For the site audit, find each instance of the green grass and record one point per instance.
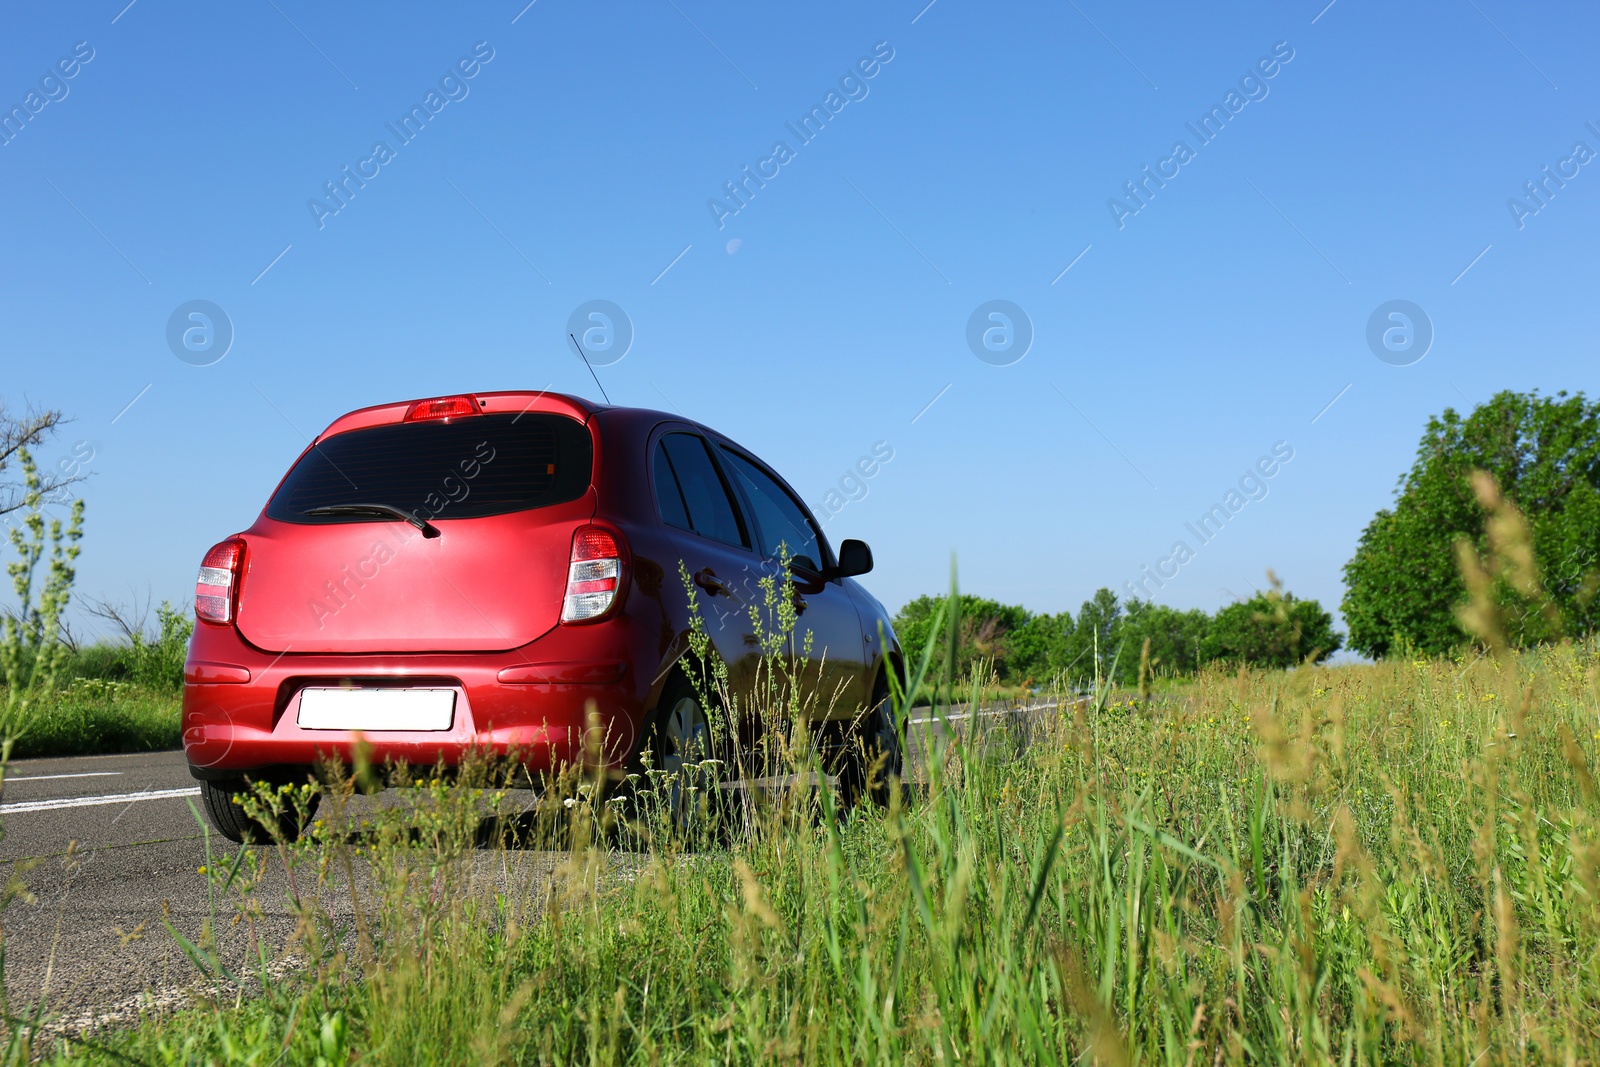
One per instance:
(93, 716)
(124, 697)
(1371, 864)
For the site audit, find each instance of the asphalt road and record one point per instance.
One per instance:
(101, 844)
(109, 851)
(109, 846)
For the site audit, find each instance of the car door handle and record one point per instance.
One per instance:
(706, 579)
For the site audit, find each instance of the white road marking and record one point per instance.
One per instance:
(80, 774)
(86, 802)
(958, 718)
(984, 714)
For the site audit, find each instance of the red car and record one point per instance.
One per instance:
(501, 572)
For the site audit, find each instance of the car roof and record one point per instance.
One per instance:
(523, 400)
(495, 401)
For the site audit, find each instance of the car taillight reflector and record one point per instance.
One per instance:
(444, 407)
(594, 575)
(214, 589)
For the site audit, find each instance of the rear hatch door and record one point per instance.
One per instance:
(499, 495)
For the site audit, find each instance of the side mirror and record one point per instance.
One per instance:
(854, 558)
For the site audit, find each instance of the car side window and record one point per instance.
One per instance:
(703, 497)
(779, 518)
(669, 497)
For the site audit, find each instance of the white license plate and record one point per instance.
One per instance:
(377, 709)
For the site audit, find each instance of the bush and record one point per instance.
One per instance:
(1106, 639)
(155, 662)
(113, 698)
(96, 716)
(159, 663)
(32, 652)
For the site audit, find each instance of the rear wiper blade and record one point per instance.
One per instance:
(375, 511)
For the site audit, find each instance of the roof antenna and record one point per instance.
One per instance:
(586, 363)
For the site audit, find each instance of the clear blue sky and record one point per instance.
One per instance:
(826, 314)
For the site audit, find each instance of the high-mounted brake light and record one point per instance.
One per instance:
(594, 577)
(444, 407)
(214, 589)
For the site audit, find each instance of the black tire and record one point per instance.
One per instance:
(682, 733)
(873, 764)
(230, 819)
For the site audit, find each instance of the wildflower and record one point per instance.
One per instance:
(201, 870)
(1488, 697)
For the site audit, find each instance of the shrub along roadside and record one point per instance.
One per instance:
(57, 699)
(112, 698)
(1107, 638)
(31, 650)
(94, 717)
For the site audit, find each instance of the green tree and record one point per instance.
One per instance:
(1091, 645)
(984, 632)
(1035, 649)
(1176, 639)
(1270, 630)
(1403, 588)
(1106, 637)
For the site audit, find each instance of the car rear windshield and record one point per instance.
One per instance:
(461, 469)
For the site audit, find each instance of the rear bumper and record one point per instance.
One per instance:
(575, 697)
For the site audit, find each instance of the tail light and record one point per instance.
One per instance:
(594, 577)
(218, 582)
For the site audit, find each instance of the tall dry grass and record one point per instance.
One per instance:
(1362, 865)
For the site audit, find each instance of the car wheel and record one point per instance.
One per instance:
(232, 822)
(874, 762)
(681, 741)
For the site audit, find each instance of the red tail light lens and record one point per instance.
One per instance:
(444, 407)
(214, 589)
(594, 576)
